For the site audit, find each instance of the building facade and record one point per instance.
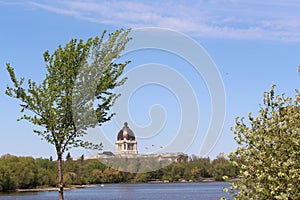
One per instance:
(126, 143)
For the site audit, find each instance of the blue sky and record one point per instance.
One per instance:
(254, 44)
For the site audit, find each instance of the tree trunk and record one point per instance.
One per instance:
(60, 177)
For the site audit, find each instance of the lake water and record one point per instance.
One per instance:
(168, 191)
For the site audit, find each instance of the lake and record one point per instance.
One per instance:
(157, 191)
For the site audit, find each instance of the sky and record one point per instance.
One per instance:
(252, 45)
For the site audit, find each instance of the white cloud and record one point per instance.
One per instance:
(274, 20)
(56, 9)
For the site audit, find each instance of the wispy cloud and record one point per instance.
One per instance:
(272, 20)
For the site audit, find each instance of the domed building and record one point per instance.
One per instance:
(126, 143)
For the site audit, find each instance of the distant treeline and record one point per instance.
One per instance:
(27, 172)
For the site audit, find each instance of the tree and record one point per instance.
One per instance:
(69, 157)
(78, 76)
(269, 153)
(82, 158)
(222, 166)
(142, 177)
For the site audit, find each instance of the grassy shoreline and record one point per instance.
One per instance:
(72, 187)
(45, 189)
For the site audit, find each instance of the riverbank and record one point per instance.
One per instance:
(45, 189)
(183, 181)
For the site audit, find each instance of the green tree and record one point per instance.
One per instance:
(142, 177)
(17, 172)
(96, 176)
(222, 166)
(60, 104)
(8, 180)
(173, 172)
(110, 175)
(269, 153)
(204, 166)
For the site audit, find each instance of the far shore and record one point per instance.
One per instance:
(45, 189)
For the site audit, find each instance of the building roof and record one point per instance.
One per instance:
(126, 132)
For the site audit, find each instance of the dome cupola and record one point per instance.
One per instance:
(126, 133)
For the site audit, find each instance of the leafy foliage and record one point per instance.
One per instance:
(56, 103)
(269, 152)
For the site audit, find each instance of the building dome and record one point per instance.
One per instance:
(125, 133)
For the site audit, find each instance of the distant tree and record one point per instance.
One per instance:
(46, 173)
(61, 104)
(269, 153)
(17, 172)
(142, 177)
(96, 174)
(173, 172)
(222, 166)
(82, 158)
(51, 159)
(110, 175)
(204, 165)
(69, 157)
